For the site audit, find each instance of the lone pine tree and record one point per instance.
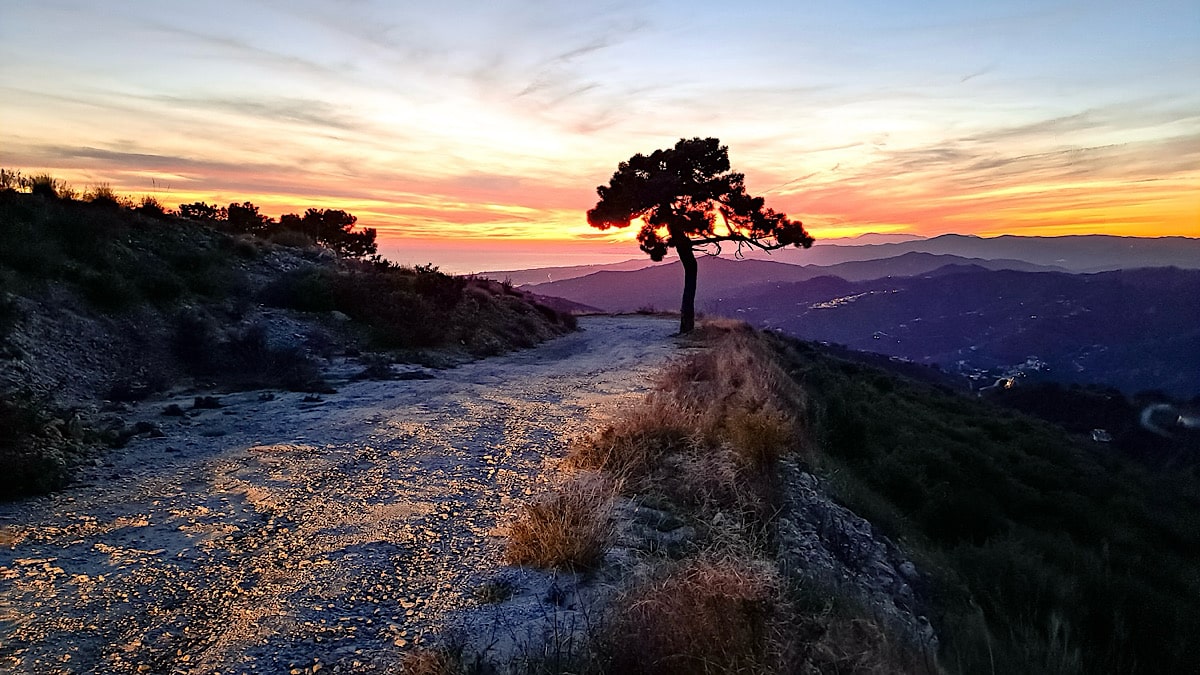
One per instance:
(687, 199)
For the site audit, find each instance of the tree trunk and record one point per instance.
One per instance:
(687, 310)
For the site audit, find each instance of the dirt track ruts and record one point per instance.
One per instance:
(275, 536)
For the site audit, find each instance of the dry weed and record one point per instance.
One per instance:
(569, 527)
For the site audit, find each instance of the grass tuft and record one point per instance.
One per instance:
(569, 527)
(431, 661)
(705, 616)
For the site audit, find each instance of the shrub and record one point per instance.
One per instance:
(34, 456)
(305, 290)
(110, 291)
(568, 528)
(206, 213)
(150, 207)
(251, 362)
(102, 195)
(292, 239)
(11, 180)
(196, 342)
(45, 185)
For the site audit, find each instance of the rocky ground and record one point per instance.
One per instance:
(282, 532)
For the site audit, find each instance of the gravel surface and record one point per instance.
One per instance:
(279, 535)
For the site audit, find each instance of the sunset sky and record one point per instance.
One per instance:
(465, 130)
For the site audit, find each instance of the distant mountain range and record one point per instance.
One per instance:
(967, 304)
(1132, 329)
(1080, 253)
(660, 286)
(542, 275)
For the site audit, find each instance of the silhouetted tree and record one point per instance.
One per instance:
(333, 229)
(245, 217)
(204, 212)
(689, 200)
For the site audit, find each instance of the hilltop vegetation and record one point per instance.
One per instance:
(103, 299)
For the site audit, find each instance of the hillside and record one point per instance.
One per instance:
(683, 519)
(1133, 329)
(1040, 542)
(103, 304)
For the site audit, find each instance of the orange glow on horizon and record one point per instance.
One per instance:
(833, 210)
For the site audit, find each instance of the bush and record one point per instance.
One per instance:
(34, 456)
(109, 291)
(103, 196)
(196, 342)
(151, 208)
(305, 290)
(45, 185)
(292, 239)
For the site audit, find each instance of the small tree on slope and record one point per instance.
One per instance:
(687, 199)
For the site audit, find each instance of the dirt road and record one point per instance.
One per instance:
(282, 536)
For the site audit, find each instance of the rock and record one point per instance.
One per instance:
(826, 544)
(659, 520)
(413, 375)
(173, 410)
(206, 402)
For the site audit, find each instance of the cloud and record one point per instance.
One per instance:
(305, 111)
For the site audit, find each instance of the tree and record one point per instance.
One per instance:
(334, 229)
(245, 218)
(687, 199)
(198, 211)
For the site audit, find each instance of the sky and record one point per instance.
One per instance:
(473, 135)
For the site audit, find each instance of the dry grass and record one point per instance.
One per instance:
(633, 445)
(710, 434)
(705, 616)
(569, 527)
(705, 445)
(430, 661)
(739, 392)
(759, 437)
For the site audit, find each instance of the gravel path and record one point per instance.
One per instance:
(282, 536)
